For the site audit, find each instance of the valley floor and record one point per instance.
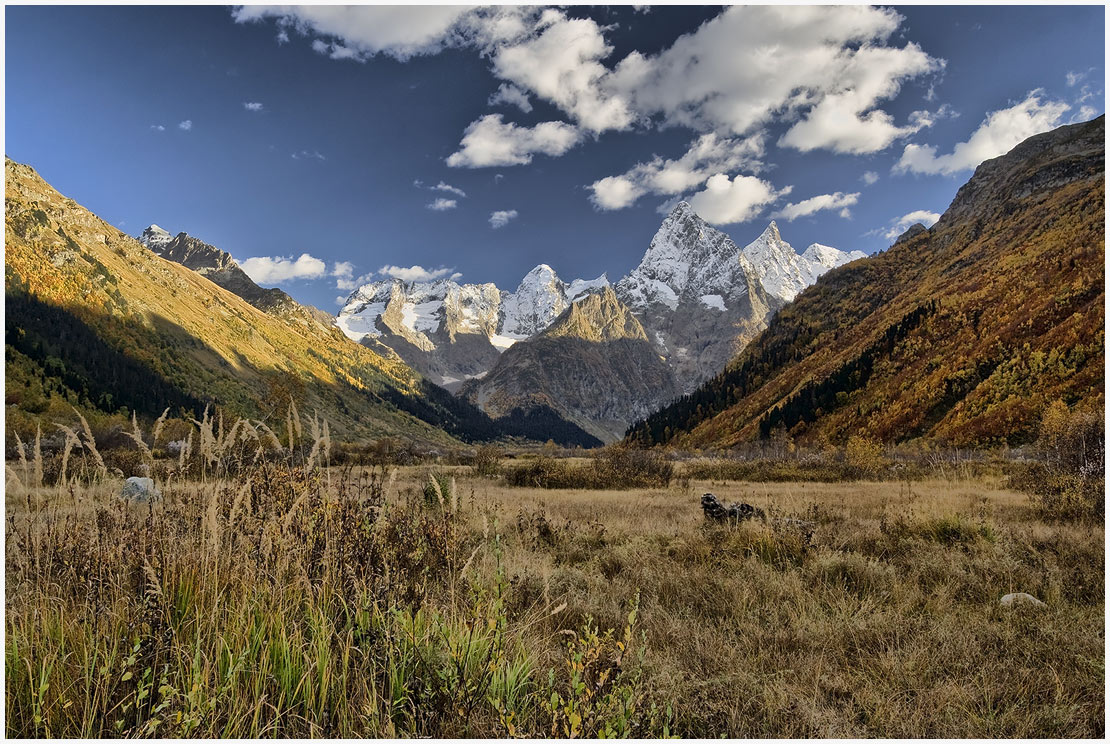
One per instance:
(279, 604)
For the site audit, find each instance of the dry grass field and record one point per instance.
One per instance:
(276, 599)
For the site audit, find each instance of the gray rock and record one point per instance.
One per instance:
(139, 490)
(1020, 598)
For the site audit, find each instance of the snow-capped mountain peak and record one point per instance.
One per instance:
(828, 257)
(155, 238)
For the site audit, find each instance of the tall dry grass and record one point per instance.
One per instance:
(270, 595)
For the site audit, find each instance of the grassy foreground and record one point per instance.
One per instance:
(268, 597)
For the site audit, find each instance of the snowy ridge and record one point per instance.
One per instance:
(155, 238)
(783, 272)
(424, 309)
(687, 259)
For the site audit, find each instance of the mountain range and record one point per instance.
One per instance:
(962, 333)
(697, 297)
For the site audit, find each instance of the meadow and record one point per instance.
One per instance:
(270, 594)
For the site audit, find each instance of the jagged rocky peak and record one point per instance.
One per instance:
(155, 238)
(597, 316)
(783, 272)
(539, 299)
(911, 232)
(687, 258)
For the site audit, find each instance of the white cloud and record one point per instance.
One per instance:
(157, 127)
(399, 31)
(814, 204)
(845, 120)
(996, 135)
(750, 64)
(869, 177)
(705, 156)
(307, 155)
(501, 218)
(414, 273)
(186, 125)
(252, 105)
(826, 70)
(441, 186)
(488, 141)
(278, 269)
(1086, 113)
(511, 95)
(442, 205)
(725, 201)
(898, 226)
(1073, 78)
(343, 269)
(561, 63)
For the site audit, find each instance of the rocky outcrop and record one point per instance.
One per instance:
(594, 366)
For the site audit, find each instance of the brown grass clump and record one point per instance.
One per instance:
(269, 595)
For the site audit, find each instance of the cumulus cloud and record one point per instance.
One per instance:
(752, 63)
(899, 225)
(278, 269)
(441, 186)
(707, 155)
(442, 205)
(561, 63)
(826, 69)
(400, 31)
(186, 125)
(869, 177)
(414, 273)
(726, 201)
(499, 219)
(996, 135)
(252, 105)
(157, 127)
(511, 95)
(345, 279)
(815, 204)
(489, 141)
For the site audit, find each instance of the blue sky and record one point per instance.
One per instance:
(836, 121)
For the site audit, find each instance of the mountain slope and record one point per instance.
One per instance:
(97, 319)
(220, 268)
(594, 366)
(961, 333)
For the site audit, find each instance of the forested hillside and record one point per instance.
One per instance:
(961, 334)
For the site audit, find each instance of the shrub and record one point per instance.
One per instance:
(616, 467)
(487, 461)
(1068, 481)
(864, 455)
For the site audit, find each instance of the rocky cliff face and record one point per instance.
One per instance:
(594, 366)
